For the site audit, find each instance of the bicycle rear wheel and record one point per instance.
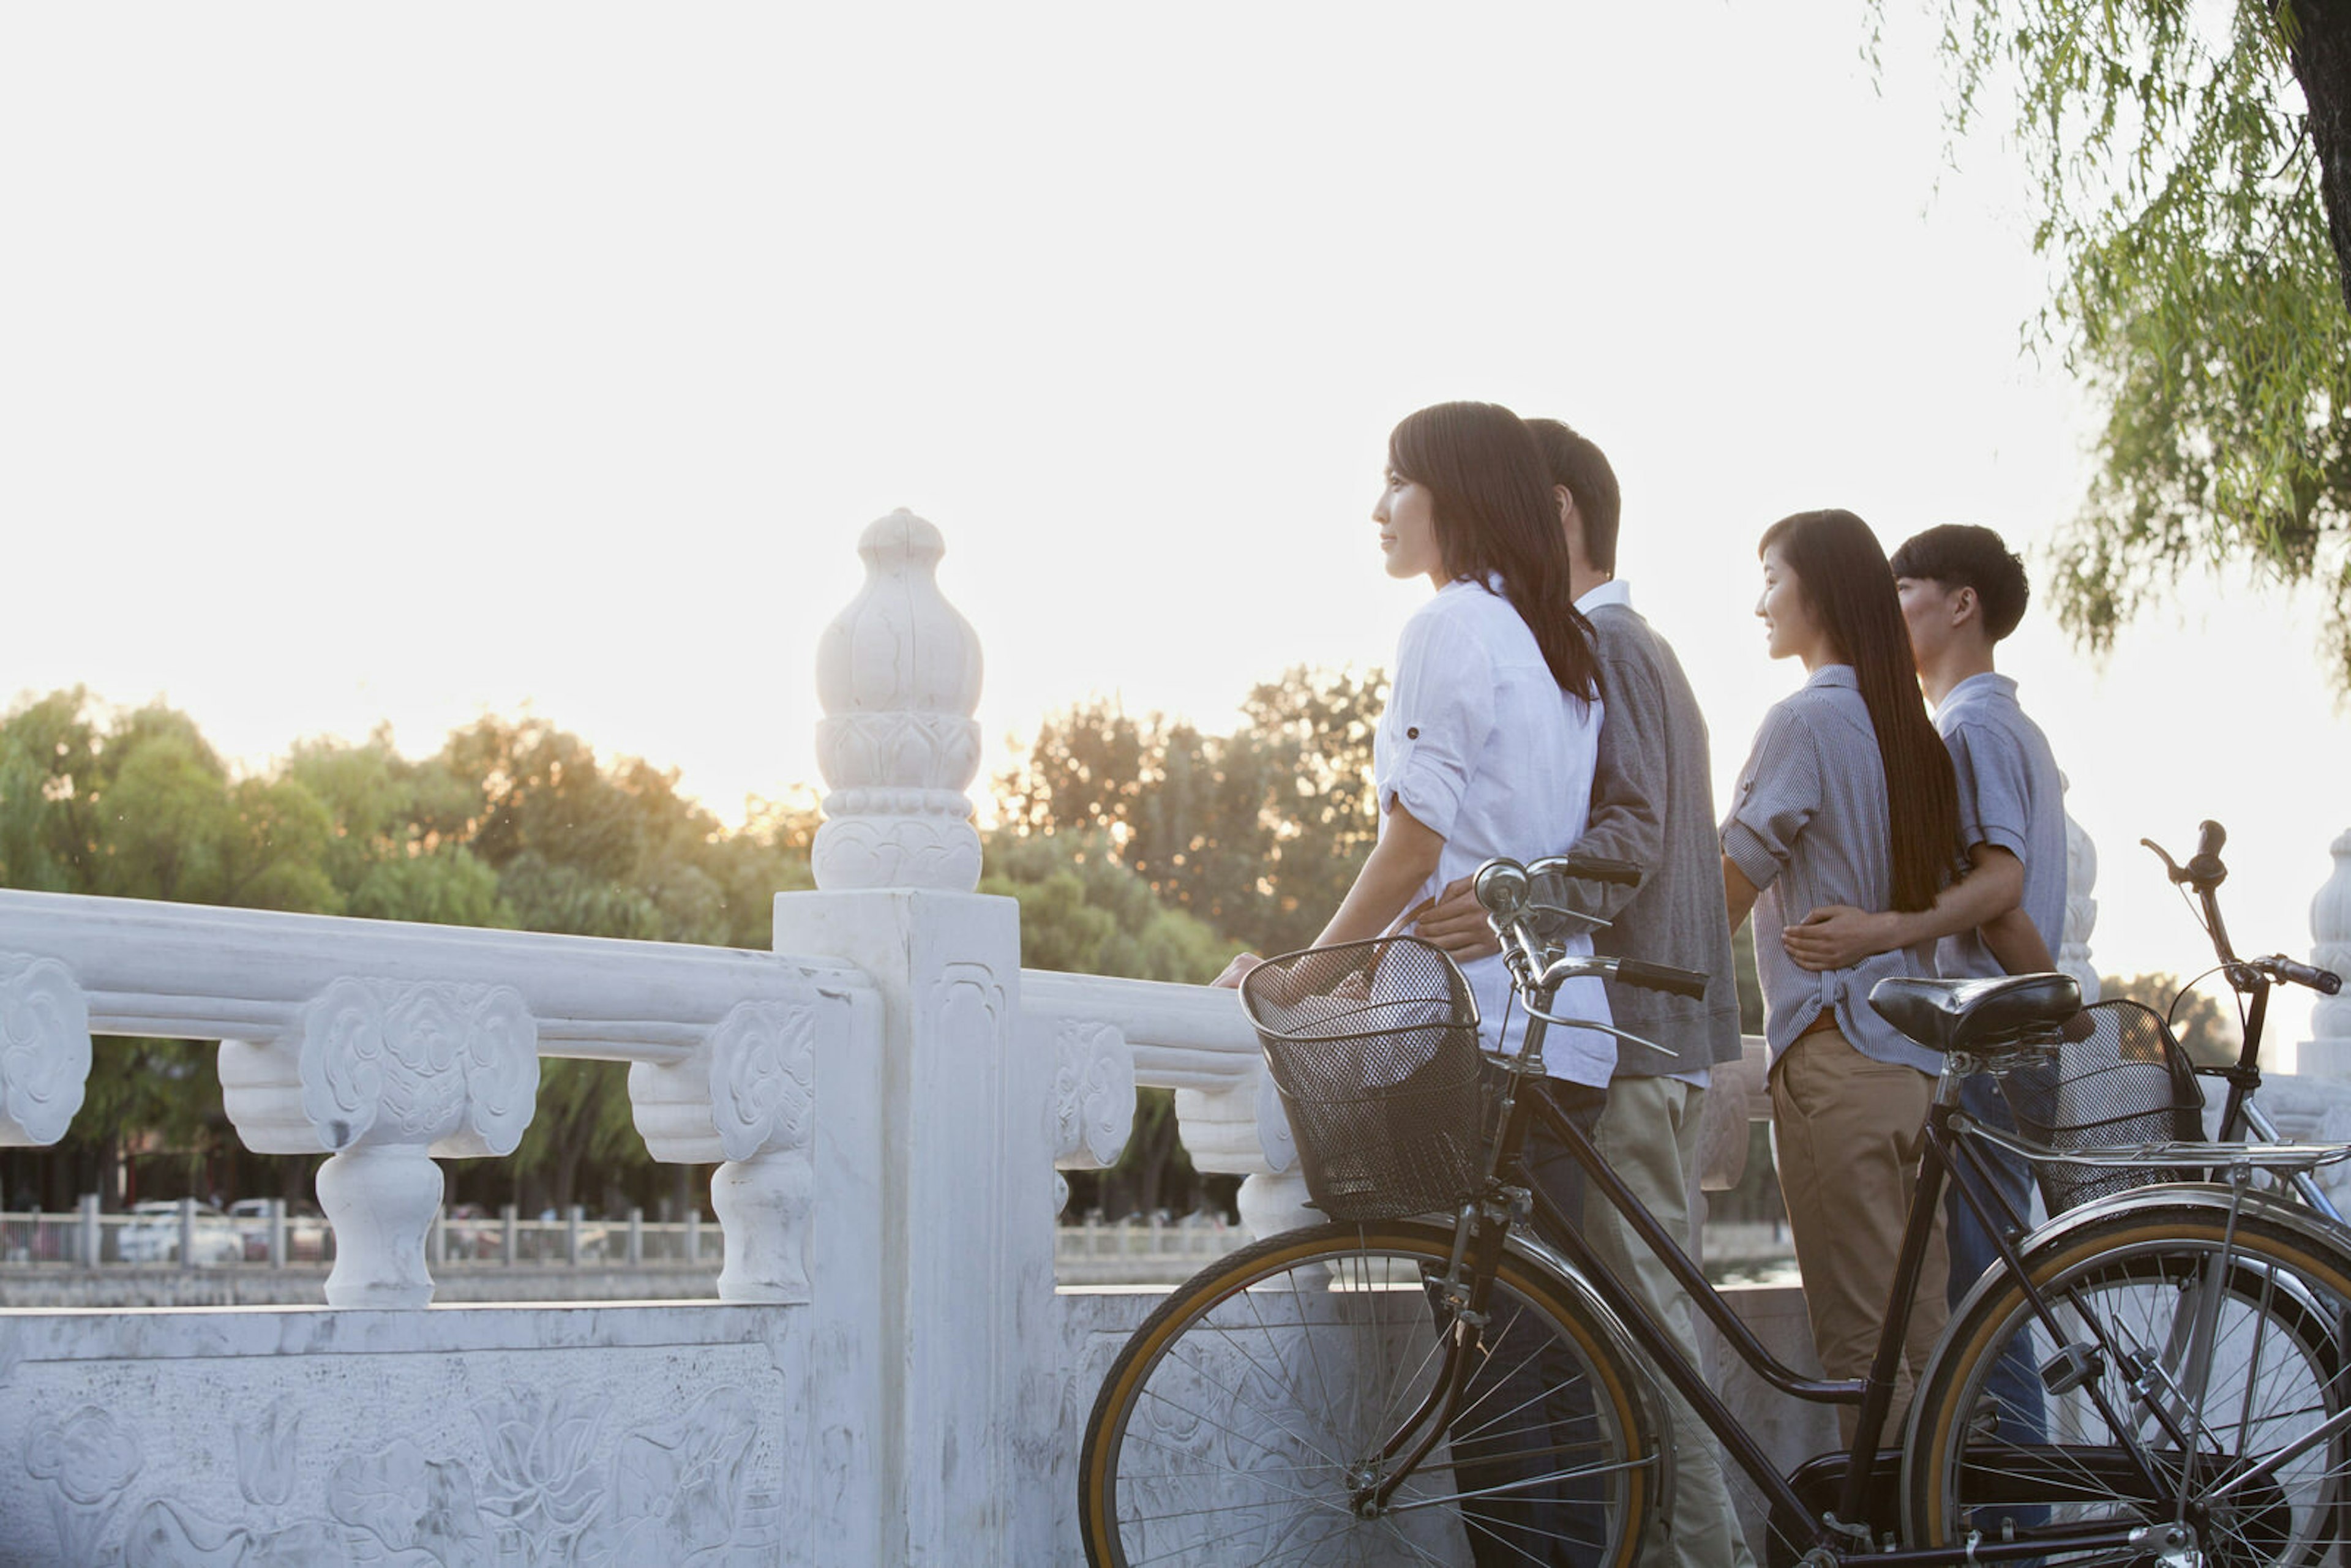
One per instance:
(2196, 1375)
(1257, 1415)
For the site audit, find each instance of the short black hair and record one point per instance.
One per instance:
(1584, 468)
(1961, 554)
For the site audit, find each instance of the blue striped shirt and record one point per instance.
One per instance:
(1808, 826)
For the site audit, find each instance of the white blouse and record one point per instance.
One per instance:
(1482, 746)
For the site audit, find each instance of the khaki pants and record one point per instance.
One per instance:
(1848, 1133)
(1649, 1134)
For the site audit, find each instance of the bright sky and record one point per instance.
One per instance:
(403, 364)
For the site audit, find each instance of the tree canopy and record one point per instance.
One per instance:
(1257, 833)
(2191, 166)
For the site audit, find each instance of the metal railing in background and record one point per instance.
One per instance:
(190, 1235)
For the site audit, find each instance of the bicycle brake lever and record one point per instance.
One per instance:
(2170, 866)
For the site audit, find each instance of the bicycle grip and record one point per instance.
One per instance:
(1593, 868)
(2326, 982)
(2204, 870)
(1662, 978)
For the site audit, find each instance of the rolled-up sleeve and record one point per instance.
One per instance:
(1779, 793)
(1440, 712)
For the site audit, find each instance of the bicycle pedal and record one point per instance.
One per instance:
(2070, 1368)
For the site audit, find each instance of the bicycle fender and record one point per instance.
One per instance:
(2196, 1197)
(2305, 1222)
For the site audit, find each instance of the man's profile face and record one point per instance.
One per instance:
(1931, 610)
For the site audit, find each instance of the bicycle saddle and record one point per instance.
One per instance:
(1976, 1015)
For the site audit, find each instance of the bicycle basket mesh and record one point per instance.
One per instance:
(1374, 1049)
(2126, 1084)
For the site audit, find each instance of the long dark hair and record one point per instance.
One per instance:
(1496, 515)
(1842, 575)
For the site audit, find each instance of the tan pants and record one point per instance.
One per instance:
(1649, 1133)
(1848, 1133)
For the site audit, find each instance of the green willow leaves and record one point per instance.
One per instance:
(2177, 157)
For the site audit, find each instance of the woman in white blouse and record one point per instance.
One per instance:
(1486, 748)
(1487, 745)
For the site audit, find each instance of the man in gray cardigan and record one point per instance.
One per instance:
(1652, 804)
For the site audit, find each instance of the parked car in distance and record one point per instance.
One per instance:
(306, 1230)
(152, 1235)
(471, 1231)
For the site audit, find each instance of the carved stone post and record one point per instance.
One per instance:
(2081, 909)
(898, 672)
(2327, 1052)
(931, 1240)
(384, 1074)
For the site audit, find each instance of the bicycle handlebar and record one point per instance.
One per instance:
(2205, 869)
(1590, 868)
(1507, 892)
(2326, 982)
(1662, 978)
(2204, 873)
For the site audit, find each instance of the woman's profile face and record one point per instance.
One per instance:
(1790, 631)
(1407, 514)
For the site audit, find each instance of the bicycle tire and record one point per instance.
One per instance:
(1224, 1434)
(2276, 1373)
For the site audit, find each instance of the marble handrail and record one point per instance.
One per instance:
(384, 1043)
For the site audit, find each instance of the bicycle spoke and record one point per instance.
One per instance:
(2216, 1395)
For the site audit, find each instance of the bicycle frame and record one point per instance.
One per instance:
(1844, 1528)
(2251, 981)
(2239, 1113)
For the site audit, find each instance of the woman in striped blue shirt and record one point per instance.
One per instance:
(1846, 799)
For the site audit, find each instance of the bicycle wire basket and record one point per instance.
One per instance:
(2125, 1085)
(1374, 1049)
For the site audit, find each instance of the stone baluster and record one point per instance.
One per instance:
(931, 1232)
(747, 1096)
(44, 1049)
(1094, 1094)
(1244, 1132)
(384, 1074)
(2081, 908)
(2327, 1052)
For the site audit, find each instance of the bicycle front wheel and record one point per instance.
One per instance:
(2195, 1377)
(1269, 1412)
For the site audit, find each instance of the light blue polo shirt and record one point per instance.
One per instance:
(2010, 797)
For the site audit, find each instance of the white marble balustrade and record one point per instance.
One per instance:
(385, 1045)
(889, 1376)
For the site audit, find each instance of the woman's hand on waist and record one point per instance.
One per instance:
(1454, 921)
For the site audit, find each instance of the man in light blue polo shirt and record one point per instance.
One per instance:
(1962, 592)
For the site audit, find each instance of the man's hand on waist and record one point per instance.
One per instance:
(1838, 936)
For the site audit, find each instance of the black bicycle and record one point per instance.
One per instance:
(1444, 1373)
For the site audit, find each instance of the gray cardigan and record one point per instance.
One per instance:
(1653, 804)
